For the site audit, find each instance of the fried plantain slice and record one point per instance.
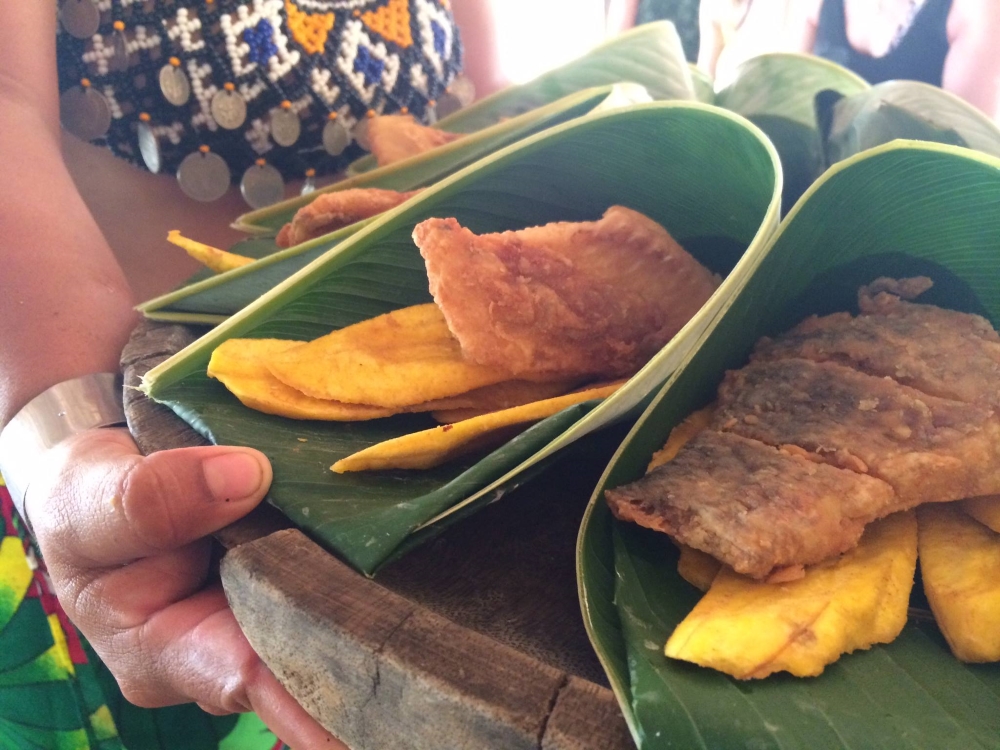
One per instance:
(429, 448)
(215, 259)
(750, 629)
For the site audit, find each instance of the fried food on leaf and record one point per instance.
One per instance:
(681, 435)
(750, 629)
(397, 137)
(239, 364)
(397, 360)
(590, 298)
(940, 352)
(830, 400)
(429, 448)
(505, 395)
(329, 212)
(754, 507)
(697, 568)
(215, 259)
(960, 566)
(929, 449)
(985, 509)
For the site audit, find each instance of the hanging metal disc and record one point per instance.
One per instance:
(149, 147)
(361, 133)
(285, 126)
(336, 137)
(80, 18)
(84, 113)
(175, 85)
(119, 60)
(229, 109)
(463, 89)
(203, 176)
(262, 185)
(430, 116)
(309, 186)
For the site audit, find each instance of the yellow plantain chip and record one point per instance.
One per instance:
(239, 365)
(429, 448)
(960, 565)
(505, 395)
(985, 509)
(396, 360)
(216, 259)
(693, 424)
(749, 629)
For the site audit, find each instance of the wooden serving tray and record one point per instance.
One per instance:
(474, 641)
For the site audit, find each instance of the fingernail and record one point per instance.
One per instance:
(233, 476)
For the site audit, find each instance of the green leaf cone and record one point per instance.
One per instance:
(902, 209)
(705, 174)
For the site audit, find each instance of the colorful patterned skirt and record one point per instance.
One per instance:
(56, 694)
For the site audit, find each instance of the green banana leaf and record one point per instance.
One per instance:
(650, 55)
(776, 92)
(901, 209)
(707, 175)
(704, 86)
(907, 109)
(211, 298)
(427, 168)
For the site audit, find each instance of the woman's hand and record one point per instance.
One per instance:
(124, 539)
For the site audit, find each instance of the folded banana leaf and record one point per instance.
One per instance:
(704, 86)
(650, 55)
(214, 297)
(776, 92)
(707, 175)
(911, 110)
(901, 209)
(426, 168)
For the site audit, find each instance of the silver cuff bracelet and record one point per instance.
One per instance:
(60, 412)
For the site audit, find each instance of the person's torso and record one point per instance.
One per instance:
(919, 54)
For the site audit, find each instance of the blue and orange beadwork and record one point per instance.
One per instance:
(342, 57)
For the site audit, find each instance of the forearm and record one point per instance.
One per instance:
(65, 307)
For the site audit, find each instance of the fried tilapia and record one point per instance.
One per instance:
(831, 394)
(341, 208)
(575, 299)
(396, 137)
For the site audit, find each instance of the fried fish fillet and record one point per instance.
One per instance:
(396, 137)
(341, 208)
(940, 352)
(591, 298)
(752, 506)
(829, 393)
(928, 449)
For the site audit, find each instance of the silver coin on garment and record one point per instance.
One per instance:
(228, 109)
(203, 176)
(80, 18)
(119, 60)
(149, 147)
(461, 93)
(84, 112)
(262, 185)
(285, 126)
(175, 85)
(336, 137)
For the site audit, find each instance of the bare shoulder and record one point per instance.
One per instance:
(973, 17)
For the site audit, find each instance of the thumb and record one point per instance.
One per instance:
(105, 504)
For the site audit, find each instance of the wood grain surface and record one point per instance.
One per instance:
(474, 640)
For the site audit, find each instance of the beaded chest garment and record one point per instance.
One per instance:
(159, 81)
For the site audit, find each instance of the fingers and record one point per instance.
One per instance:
(102, 504)
(195, 650)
